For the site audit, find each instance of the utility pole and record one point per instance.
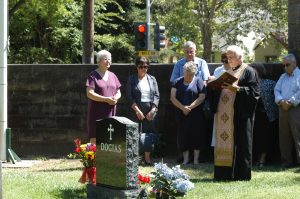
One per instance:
(3, 77)
(88, 32)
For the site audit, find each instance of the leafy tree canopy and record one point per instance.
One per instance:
(49, 31)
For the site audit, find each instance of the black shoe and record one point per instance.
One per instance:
(150, 164)
(287, 165)
(179, 160)
(261, 165)
(141, 162)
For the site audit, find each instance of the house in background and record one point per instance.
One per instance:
(271, 48)
(245, 42)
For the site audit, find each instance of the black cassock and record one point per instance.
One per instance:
(244, 109)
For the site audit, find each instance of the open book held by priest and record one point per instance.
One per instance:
(218, 82)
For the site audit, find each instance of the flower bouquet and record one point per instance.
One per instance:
(87, 153)
(144, 182)
(169, 182)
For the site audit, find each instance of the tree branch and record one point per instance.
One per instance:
(16, 7)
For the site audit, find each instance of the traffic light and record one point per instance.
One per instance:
(141, 38)
(159, 37)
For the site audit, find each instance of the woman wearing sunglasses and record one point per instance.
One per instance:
(143, 96)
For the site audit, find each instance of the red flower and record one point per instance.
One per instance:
(147, 179)
(93, 148)
(77, 150)
(77, 142)
(144, 179)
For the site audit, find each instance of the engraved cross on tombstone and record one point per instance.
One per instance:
(110, 130)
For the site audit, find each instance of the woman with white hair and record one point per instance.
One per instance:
(187, 95)
(103, 92)
(234, 107)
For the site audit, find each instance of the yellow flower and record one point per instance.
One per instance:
(83, 147)
(90, 155)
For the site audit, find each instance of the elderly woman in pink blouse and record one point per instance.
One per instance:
(103, 92)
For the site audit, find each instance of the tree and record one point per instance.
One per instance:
(50, 31)
(294, 27)
(15, 7)
(207, 22)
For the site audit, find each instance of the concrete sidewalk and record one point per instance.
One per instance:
(21, 164)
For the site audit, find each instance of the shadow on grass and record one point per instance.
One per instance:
(71, 193)
(61, 170)
(297, 179)
(205, 180)
(203, 167)
(271, 168)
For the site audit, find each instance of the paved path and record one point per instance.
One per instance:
(21, 164)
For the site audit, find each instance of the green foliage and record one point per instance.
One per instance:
(119, 46)
(50, 31)
(194, 19)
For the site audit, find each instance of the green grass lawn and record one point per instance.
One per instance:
(59, 179)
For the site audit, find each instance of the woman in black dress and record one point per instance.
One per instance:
(187, 95)
(266, 117)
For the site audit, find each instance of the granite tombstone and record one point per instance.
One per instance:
(116, 159)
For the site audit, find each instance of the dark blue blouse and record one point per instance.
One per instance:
(187, 93)
(268, 98)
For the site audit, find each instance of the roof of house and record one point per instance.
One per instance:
(280, 37)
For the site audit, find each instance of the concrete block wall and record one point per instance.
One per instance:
(47, 105)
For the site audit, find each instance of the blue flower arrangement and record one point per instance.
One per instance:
(169, 182)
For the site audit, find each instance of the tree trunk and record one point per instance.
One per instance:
(294, 28)
(206, 41)
(88, 32)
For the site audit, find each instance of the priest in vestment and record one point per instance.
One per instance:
(234, 107)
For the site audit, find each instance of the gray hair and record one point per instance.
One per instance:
(189, 44)
(101, 54)
(237, 50)
(290, 57)
(190, 67)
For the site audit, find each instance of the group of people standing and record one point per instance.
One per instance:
(235, 107)
(103, 92)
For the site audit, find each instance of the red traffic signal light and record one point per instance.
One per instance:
(141, 28)
(141, 36)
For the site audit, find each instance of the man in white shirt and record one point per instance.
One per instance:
(287, 96)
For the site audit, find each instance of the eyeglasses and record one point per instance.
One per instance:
(143, 66)
(225, 61)
(287, 65)
(190, 51)
(231, 57)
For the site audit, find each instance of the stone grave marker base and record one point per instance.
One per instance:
(100, 192)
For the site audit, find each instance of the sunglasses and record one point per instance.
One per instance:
(143, 67)
(287, 65)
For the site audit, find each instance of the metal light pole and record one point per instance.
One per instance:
(3, 84)
(3, 77)
(148, 5)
